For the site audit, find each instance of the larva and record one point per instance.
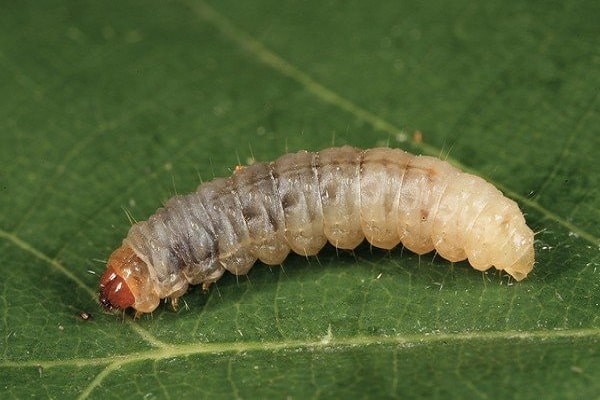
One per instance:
(302, 200)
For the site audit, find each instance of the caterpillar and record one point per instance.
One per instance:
(303, 200)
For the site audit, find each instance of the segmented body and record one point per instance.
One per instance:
(302, 200)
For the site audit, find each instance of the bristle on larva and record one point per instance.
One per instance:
(303, 200)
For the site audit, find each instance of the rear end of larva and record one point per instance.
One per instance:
(301, 201)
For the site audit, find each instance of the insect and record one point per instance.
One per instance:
(303, 200)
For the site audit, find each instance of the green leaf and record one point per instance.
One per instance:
(109, 109)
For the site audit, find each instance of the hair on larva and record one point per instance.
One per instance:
(302, 200)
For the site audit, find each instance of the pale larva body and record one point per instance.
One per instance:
(301, 201)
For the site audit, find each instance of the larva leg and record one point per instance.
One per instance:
(174, 303)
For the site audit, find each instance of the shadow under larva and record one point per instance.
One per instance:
(303, 200)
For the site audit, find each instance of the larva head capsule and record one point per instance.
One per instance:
(127, 283)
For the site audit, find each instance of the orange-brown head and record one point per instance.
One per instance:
(114, 292)
(126, 283)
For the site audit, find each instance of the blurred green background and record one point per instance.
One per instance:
(110, 108)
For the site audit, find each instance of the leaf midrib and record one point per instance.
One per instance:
(328, 341)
